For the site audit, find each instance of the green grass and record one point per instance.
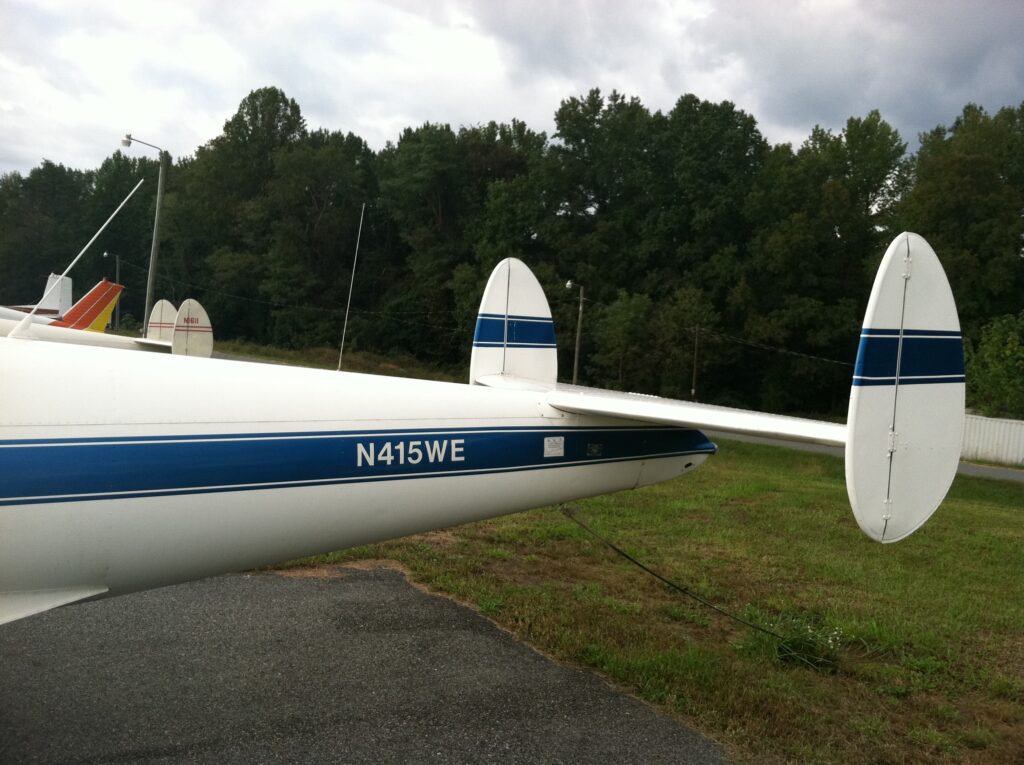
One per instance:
(927, 634)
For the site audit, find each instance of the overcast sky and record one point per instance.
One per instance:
(75, 76)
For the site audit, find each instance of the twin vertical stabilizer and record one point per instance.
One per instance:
(184, 331)
(515, 335)
(906, 416)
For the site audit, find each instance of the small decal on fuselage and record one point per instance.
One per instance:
(411, 452)
(554, 446)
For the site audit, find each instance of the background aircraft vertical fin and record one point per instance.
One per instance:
(57, 301)
(161, 321)
(93, 310)
(193, 333)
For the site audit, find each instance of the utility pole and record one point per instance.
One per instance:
(155, 249)
(352, 281)
(696, 346)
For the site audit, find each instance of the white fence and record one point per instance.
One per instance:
(994, 440)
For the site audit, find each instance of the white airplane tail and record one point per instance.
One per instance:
(185, 331)
(193, 333)
(58, 301)
(515, 335)
(906, 417)
(906, 414)
(161, 321)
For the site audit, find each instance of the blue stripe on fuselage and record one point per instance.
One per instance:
(927, 357)
(523, 331)
(77, 469)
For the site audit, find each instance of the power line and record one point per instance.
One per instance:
(764, 347)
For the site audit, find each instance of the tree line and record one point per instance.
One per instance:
(707, 253)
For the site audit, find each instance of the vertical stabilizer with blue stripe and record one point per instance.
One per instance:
(515, 335)
(906, 417)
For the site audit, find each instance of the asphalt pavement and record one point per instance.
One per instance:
(358, 667)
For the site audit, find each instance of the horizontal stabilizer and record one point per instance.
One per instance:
(669, 411)
(156, 346)
(18, 605)
(29, 330)
(576, 399)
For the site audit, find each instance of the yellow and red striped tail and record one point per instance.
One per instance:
(92, 312)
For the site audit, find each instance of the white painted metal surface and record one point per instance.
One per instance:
(124, 471)
(992, 439)
(905, 423)
(515, 334)
(50, 333)
(193, 333)
(570, 398)
(149, 470)
(60, 299)
(161, 321)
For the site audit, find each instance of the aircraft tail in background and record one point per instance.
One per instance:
(58, 302)
(94, 310)
(161, 321)
(185, 331)
(54, 303)
(91, 313)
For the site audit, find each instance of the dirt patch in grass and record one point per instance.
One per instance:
(338, 570)
(315, 571)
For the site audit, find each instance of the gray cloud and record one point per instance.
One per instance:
(73, 78)
(919, 63)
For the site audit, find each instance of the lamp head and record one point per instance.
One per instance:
(127, 140)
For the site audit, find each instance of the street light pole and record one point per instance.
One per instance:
(155, 249)
(117, 280)
(579, 329)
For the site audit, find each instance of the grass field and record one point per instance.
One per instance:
(927, 634)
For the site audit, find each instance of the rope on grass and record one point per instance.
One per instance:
(786, 649)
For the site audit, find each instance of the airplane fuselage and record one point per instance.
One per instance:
(148, 470)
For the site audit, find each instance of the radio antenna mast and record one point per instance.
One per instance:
(348, 305)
